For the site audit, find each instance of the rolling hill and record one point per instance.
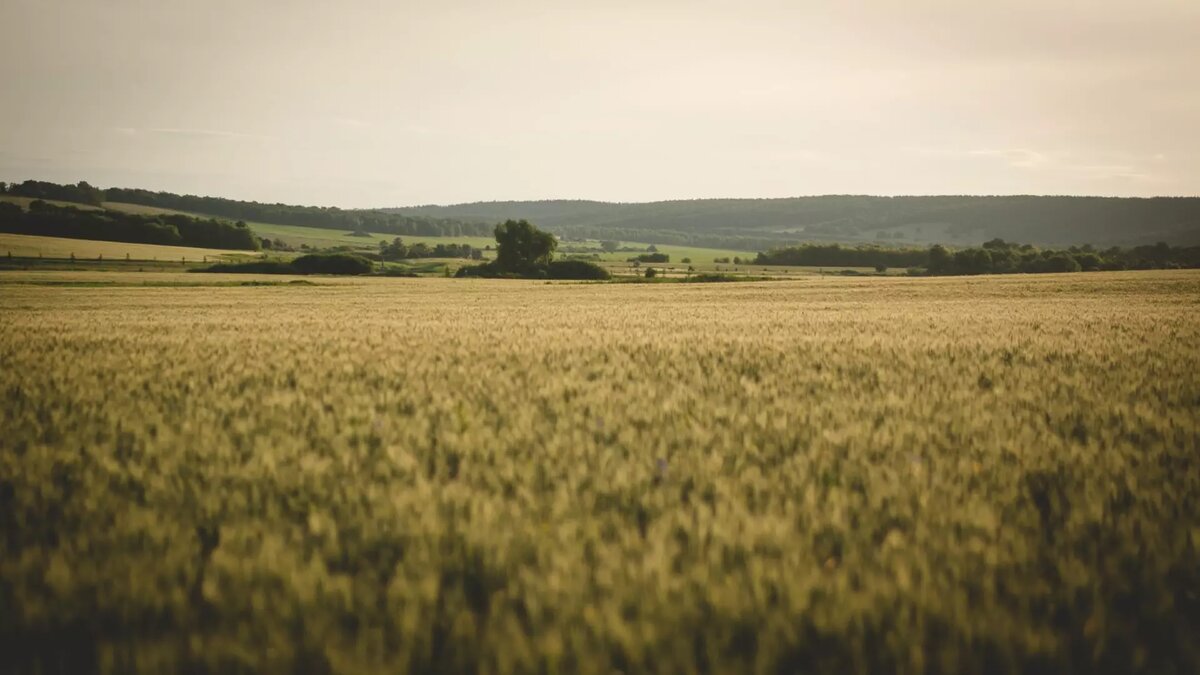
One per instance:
(763, 223)
(726, 224)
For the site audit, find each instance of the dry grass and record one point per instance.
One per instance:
(32, 246)
(840, 475)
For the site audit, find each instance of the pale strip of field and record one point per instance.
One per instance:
(24, 202)
(323, 237)
(143, 210)
(31, 246)
(698, 255)
(318, 237)
(124, 278)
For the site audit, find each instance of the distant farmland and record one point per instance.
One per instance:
(31, 246)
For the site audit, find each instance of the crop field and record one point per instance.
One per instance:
(843, 475)
(32, 246)
(698, 255)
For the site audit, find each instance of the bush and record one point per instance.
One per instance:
(332, 263)
(651, 273)
(317, 263)
(651, 258)
(576, 269)
(493, 271)
(396, 272)
(253, 267)
(1060, 263)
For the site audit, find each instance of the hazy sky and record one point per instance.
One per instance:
(358, 103)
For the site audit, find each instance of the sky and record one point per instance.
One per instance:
(371, 104)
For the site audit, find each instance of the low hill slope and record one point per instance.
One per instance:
(762, 223)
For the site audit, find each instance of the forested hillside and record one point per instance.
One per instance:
(278, 214)
(764, 223)
(48, 220)
(743, 224)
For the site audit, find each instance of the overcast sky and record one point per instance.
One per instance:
(357, 103)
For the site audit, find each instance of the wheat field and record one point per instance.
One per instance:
(844, 475)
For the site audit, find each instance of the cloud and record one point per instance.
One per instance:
(1126, 167)
(1122, 171)
(181, 132)
(1019, 157)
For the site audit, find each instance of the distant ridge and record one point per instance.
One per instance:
(739, 224)
(762, 223)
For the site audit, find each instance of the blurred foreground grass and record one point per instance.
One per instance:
(829, 475)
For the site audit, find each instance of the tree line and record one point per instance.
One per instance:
(993, 257)
(398, 250)
(307, 216)
(737, 223)
(313, 263)
(836, 255)
(80, 193)
(1001, 257)
(47, 220)
(233, 209)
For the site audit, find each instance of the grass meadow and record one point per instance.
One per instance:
(842, 475)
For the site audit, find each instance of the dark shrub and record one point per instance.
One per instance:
(397, 272)
(1061, 263)
(488, 271)
(1088, 262)
(332, 263)
(576, 269)
(253, 267)
(651, 258)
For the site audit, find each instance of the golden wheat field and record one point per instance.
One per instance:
(843, 475)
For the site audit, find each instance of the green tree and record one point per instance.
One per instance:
(1088, 262)
(521, 247)
(609, 246)
(940, 260)
(973, 261)
(1061, 263)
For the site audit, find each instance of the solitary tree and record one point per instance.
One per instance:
(521, 247)
(610, 246)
